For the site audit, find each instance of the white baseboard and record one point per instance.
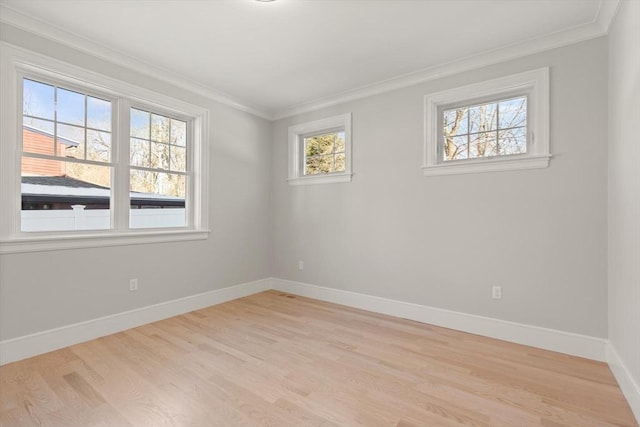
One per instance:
(630, 388)
(535, 336)
(565, 342)
(19, 348)
(15, 349)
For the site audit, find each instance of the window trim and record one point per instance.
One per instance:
(18, 62)
(298, 132)
(534, 84)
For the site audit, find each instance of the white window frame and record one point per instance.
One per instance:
(297, 133)
(532, 84)
(16, 63)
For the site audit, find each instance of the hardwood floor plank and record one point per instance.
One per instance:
(274, 359)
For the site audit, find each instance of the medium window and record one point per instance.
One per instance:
(158, 159)
(320, 151)
(66, 159)
(500, 124)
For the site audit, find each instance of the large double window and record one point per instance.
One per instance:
(93, 161)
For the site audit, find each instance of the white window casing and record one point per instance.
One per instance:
(296, 150)
(16, 63)
(532, 84)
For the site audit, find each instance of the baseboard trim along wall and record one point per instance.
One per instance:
(20, 348)
(15, 349)
(535, 336)
(630, 388)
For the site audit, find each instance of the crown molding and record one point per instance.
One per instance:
(607, 12)
(43, 29)
(577, 34)
(598, 27)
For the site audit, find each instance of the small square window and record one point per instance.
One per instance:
(320, 151)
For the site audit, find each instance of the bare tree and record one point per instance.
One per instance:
(490, 129)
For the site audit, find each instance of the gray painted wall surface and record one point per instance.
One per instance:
(624, 186)
(438, 241)
(444, 241)
(40, 291)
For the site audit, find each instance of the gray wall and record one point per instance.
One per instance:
(624, 186)
(444, 241)
(439, 241)
(40, 291)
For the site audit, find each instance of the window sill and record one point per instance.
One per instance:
(487, 165)
(41, 243)
(321, 179)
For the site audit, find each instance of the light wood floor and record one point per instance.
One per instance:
(277, 360)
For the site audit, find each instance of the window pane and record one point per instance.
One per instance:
(455, 148)
(326, 164)
(513, 141)
(71, 141)
(159, 184)
(140, 153)
(456, 122)
(483, 145)
(157, 200)
(160, 128)
(37, 136)
(61, 196)
(178, 158)
(38, 99)
(312, 166)
(159, 155)
(483, 118)
(139, 123)
(70, 107)
(98, 113)
(339, 144)
(319, 144)
(513, 112)
(98, 146)
(312, 147)
(340, 163)
(178, 132)
(45, 127)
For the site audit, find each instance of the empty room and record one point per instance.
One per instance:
(401, 213)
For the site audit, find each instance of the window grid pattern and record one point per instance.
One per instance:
(69, 171)
(498, 128)
(324, 153)
(158, 142)
(158, 159)
(77, 124)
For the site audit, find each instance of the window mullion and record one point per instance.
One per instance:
(120, 176)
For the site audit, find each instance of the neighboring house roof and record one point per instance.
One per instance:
(62, 139)
(64, 189)
(63, 181)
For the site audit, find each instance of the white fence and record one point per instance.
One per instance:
(79, 218)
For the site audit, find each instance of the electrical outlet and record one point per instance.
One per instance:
(496, 292)
(300, 265)
(133, 285)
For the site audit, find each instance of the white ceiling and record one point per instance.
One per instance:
(279, 55)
